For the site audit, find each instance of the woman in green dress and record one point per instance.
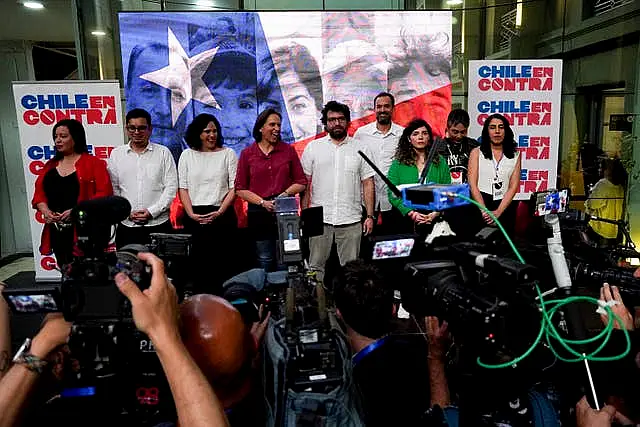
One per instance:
(409, 161)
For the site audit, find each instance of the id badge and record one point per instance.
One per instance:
(456, 177)
(498, 189)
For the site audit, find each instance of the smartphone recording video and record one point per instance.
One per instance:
(393, 248)
(551, 202)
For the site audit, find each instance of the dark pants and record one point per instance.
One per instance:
(140, 235)
(507, 219)
(264, 231)
(214, 253)
(62, 244)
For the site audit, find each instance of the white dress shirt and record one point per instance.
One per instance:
(208, 175)
(337, 172)
(382, 147)
(148, 180)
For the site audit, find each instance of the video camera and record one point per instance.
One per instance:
(487, 300)
(117, 366)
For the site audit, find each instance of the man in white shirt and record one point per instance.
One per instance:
(145, 174)
(336, 174)
(381, 139)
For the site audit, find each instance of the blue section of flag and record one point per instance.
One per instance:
(240, 78)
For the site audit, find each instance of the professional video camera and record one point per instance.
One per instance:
(117, 364)
(486, 299)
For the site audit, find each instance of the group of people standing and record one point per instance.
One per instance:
(330, 173)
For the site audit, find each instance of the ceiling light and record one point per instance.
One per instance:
(33, 5)
(454, 2)
(98, 33)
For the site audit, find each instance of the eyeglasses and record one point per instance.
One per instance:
(134, 129)
(337, 120)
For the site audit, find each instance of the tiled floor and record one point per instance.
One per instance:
(17, 266)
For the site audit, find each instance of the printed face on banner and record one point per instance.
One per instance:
(235, 65)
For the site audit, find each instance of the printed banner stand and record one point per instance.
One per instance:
(39, 105)
(528, 94)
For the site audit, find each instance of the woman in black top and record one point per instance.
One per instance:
(73, 175)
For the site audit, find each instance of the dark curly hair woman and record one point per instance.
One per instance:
(407, 166)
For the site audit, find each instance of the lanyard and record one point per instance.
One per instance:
(496, 165)
(368, 349)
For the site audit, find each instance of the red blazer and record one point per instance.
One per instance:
(94, 182)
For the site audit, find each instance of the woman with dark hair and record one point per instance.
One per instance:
(494, 171)
(407, 166)
(73, 175)
(606, 201)
(267, 169)
(206, 177)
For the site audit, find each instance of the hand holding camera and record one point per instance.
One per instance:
(155, 310)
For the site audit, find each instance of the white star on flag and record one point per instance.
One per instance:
(183, 77)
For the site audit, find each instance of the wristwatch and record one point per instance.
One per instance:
(31, 362)
(370, 216)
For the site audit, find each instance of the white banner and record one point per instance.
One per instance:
(39, 105)
(528, 94)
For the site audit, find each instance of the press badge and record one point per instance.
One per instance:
(498, 189)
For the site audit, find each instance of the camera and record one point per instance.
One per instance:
(487, 300)
(116, 365)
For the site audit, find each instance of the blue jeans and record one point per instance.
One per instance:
(266, 254)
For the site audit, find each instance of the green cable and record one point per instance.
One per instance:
(548, 330)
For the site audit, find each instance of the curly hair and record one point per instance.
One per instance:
(405, 153)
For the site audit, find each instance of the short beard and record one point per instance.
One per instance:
(383, 120)
(337, 135)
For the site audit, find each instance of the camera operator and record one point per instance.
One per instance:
(20, 380)
(624, 396)
(224, 348)
(155, 312)
(391, 372)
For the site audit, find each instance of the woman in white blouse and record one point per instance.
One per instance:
(206, 176)
(494, 172)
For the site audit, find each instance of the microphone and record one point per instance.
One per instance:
(384, 178)
(579, 216)
(102, 211)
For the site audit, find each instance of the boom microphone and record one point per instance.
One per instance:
(103, 210)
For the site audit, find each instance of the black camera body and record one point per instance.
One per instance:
(487, 300)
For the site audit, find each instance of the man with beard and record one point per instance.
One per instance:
(336, 174)
(381, 139)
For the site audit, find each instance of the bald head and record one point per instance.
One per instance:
(218, 340)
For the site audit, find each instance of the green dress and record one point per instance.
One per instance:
(404, 174)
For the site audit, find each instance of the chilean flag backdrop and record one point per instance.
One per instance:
(236, 64)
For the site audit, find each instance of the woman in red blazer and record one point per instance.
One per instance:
(72, 176)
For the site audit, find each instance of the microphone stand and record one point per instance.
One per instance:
(574, 324)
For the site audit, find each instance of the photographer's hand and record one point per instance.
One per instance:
(155, 312)
(53, 333)
(612, 293)
(588, 417)
(16, 385)
(437, 337)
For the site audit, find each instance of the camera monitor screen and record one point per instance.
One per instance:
(551, 202)
(36, 303)
(393, 248)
